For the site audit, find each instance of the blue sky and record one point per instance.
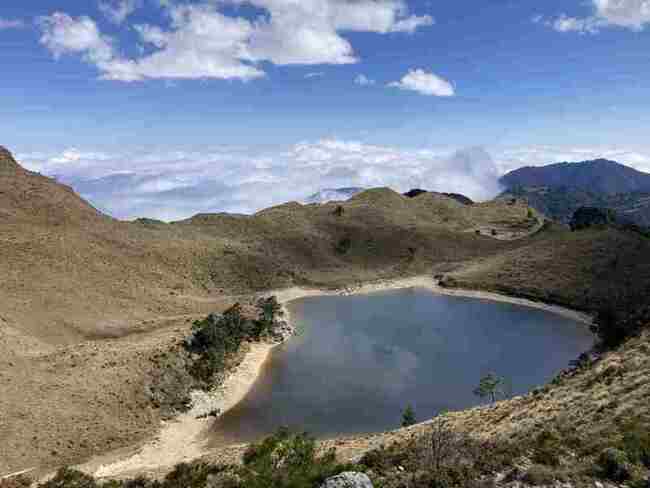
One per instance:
(113, 83)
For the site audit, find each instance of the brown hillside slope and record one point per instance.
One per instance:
(84, 297)
(584, 270)
(88, 303)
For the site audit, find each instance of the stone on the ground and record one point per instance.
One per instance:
(348, 480)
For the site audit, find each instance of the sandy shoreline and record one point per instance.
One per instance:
(286, 295)
(185, 438)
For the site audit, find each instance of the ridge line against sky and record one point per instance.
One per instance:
(206, 102)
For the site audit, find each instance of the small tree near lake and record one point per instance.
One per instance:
(491, 386)
(408, 416)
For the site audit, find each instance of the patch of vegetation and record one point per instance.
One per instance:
(614, 464)
(538, 475)
(548, 449)
(615, 324)
(439, 457)
(287, 460)
(408, 416)
(635, 442)
(217, 338)
(492, 387)
(343, 246)
(283, 460)
(70, 478)
(20, 481)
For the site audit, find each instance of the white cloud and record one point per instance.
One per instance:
(63, 34)
(633, 14)
(420, 81)
(630, 14)
(177, 184)
(202, 42)
(172, 185)
(363, 80)
(6, 24)
(589, 25)
(117, 11)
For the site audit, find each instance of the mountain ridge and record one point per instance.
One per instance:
(598, 176)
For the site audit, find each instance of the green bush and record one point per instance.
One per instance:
(408, 416)
(614, 464)
(343, 246)
(218, 337)
(70, 478)
(287, 460)
(548, 449)
(636, 442)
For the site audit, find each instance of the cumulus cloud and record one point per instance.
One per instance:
(363, 80)
(425, 83)
(117, 11)
(629, 14)
(202, 42)
(63, 34)
(6, 24)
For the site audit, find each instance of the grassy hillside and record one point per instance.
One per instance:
(90, 307)
(583, 270)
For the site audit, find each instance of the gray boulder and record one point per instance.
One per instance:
(348, 480)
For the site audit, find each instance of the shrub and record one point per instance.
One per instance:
(343, 246)
(548, 449)
(538, 475)
(218, 337)
(614, 464)
(614, 326)
(491, 386)
(636, 443)
(70, 478)
(287, 460)
(408, 416)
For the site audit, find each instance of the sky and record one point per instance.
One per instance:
(167, 108)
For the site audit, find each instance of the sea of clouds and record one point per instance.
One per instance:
(173, 185)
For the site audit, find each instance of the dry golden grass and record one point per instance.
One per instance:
(86, 301)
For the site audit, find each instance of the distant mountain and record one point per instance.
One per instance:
(558, 190)
(333, 195)
(599, 176)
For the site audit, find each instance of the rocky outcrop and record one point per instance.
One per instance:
(348, 480)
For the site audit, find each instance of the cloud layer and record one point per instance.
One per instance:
(171, 185)
(200, 41)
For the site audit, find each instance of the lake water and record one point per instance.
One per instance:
(359, 360)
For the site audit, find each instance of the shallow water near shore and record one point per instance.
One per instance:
(359, 360)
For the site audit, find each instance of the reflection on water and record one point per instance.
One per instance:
(361, 359)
